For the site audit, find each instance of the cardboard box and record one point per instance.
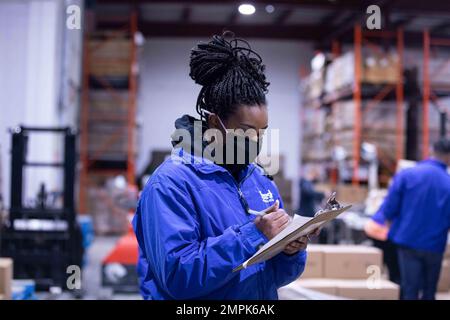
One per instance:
(352, 289)
(328, 286)
(358, 289)
(314, 263)
(447, 252)
(6, 275)
(351, 194)
(350, 261)
(444, 278)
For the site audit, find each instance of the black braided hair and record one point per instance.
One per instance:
(230, 73)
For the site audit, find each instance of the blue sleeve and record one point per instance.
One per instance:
(287, 268)
(392, 203)
(184, 265)
(379, 218)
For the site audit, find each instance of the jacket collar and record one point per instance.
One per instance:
(435, 162)
(201, 164)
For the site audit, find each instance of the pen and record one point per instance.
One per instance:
(262, 212)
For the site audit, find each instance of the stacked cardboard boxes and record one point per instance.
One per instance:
(108, 120)
(314, 84)
(109, 68)
(340, 73)
(317, 142)
(439, 71)
(376, 69)
(378, 127)
(110, 58)
(6, 275)
(110, 206)
(349, 271)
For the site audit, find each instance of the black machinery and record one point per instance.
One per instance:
(43, 240)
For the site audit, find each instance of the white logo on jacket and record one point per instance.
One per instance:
(266, 197)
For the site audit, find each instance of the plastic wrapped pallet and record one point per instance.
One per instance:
(314, 121)
(439, 70)
(107, 217)
(380, 117)
(340, 73)
(314, 84)
(379, 125)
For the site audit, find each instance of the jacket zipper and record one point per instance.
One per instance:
(246, 207)
(241, 194)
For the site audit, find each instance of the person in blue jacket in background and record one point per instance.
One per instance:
(418, 209)
(192, 222)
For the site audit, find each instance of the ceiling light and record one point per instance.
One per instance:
(270, 8)
(247, 9)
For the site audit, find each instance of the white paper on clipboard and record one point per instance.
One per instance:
(300, 226)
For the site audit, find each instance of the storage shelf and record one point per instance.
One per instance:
(366, 97)
(108, 117)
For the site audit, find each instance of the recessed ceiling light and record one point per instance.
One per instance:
(270, 8)
(247, 9)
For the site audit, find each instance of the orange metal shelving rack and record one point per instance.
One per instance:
(362, 38)
(87, 159)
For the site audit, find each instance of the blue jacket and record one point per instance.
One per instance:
(379, 218)
(418, 205)
(192, 230)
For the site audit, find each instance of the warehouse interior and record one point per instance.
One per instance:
(90, 90)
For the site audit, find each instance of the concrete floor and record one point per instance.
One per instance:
(92, 272)
(91, 287)
(91, 281)
(93, 290)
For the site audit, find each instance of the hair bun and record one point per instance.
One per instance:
(210, 61)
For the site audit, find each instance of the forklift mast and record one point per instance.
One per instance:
(43, 241)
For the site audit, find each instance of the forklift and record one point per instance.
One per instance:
(43, 239)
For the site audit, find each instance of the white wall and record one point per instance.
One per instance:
(166, 92)
(13, 53)
(30, 77)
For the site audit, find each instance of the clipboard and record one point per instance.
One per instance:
(300, 226)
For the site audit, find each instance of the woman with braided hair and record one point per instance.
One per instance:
(193, 221)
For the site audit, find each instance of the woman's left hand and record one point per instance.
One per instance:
(299, 244)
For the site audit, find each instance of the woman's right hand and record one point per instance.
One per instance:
(273, 222)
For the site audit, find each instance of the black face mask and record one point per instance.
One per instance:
(238, 150)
